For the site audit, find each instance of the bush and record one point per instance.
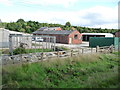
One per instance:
(61, 48)
(19, 50)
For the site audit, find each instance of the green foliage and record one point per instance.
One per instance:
(68, 24)
(31, 26)
(19, 50)
(76, 72)
(63, 48)
(20, 21)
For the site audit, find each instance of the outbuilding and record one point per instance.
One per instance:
(86, 36)
(104, 41)
(4, 38)
(62, 36)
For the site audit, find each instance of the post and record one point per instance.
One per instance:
(46, 42)
(42, 44)
(39, 45)
(49, 43)
(118, 44)
(42, 56)
(35, 43)
(97, 48)
(54, 42)
(78, 52)
(31, 42)
(10, 45)
(111, 48)
(71, 53)
(57, 53)
(82, 50)
(91, 50)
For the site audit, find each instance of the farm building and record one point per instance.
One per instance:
(62, 36)
(104, 41)
(4, 38)
(117, 34)
(86, 36)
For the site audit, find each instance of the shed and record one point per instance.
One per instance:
(86, 36)
(4, 37)
(62, 36)
(104, 41)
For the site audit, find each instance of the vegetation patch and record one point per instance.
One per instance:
(24, 51)
(84, 71)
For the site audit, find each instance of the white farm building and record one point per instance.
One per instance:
(86, 36)
(4, 38)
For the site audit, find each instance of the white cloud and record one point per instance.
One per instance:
(6, 2)
(99, 0)
(65, 3)
(98, 16)
(101, 16)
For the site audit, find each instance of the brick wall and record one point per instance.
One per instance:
(117, 34)
(65, 38)
(75, 41)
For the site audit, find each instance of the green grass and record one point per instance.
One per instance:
(116, 53)
(38, 50)
(84, 71)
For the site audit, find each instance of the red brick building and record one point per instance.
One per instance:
(117, 34)
(62, 36)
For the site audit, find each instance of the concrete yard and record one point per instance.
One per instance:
(83, 44)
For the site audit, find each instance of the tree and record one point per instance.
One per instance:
(68, 24)
(20, 20)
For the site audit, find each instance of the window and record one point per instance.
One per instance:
(75, 36)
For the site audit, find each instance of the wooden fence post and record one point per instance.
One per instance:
(97, 48)
(91, 50)
(71, 53)
(111, 48)
(57, 53)
(42, 56)
(78, 51)
(82, 50)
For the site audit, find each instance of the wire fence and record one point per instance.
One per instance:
(30, 43)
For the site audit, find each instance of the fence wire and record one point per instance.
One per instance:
(31, 43)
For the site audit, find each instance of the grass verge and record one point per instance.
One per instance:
(84, 71)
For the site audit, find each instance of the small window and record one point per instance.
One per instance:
(75, 36)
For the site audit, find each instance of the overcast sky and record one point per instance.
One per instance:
(88, 13)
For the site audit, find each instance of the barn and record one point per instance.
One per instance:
(62, 36)
(86, 36)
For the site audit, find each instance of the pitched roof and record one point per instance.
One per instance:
(48, 28)
(43, 28)
(65, 32)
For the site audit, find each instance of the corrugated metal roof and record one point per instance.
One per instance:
(48, 28)
(12, 32)
(65, 32)
(42, 28)
(97, 34)
(106, 34)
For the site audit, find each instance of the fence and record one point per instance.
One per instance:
(36, 57)
(30, 42)
(77, 51)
